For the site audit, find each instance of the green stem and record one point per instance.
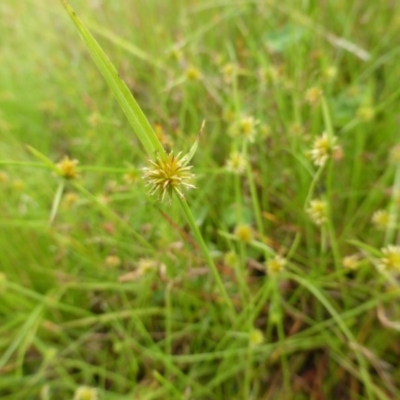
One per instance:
(199, 238)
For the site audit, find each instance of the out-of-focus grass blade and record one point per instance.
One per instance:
(124, 44)
(133, 112)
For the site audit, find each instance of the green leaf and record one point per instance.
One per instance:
(133, 112)
(284, 38)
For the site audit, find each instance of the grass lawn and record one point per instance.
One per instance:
(199, 200)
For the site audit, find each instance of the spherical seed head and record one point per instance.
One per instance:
(351, 262)
(323, 147)
(394, 155)
(236, 163)
(244, 233)
(275, 265)
(168, 174)
(112, 261)
(313, 96)
(318, 211)
(68, 168)
(245, 127)
(381, 219)
(3, 177)
(192, 73)
(366, 113)
(256, 337)
(390, 260)
(85, 393)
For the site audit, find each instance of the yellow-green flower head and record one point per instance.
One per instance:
(394, 155)
(323, 148)
(85, 393)
(168, 174)
(366, 113)
(68, 168)
(256, 337)
(381, 220)
(390, 260)
(275, 265)
(318, 211)
(192, 73)
(351, 262)
(245, 127)
(236, 163)
(244, 233)
(313, 96)
(229, 71)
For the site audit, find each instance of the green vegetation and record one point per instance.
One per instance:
(147, 255)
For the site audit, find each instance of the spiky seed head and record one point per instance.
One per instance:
(68, 168)
(168, 174)
(313, 96)
(318, 211)
(236, 163)
(244, 233)
(85, 393)
(245, 127)
(351, 262)
(256, 337)
(390, 260)
(275, 265)
(381, 220)
(323, 147)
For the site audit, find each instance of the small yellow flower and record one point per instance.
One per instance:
(330, 73)
(318, 211)
(94, 119)
(390, 260)
(131, 176)
(3, 177)
(256, 337)
(192, 73)
(381, 219)
(244, 233)
(68, 168)
(275, 265)
(245, 127)
(85, 393)
(229, 71)
(70, 199)
(323, 148)
(394, 155)
(3, 281)
(168, 174)
(230, 259)
(18, 184)
(236, 163)
(351, 262)
(112, 261)
(366, 113)
(265, 131)
(313, 96)
(145, 265)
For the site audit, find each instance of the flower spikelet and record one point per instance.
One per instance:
(236, 163)
(390, 261)
(318, 211)
(244, 233)
(275, 265)
(86, 393)
(245, 128)
(381, 219)
(168, 174)
(68, 168)
(323, 147)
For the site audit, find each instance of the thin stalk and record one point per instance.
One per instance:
(206, 253)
